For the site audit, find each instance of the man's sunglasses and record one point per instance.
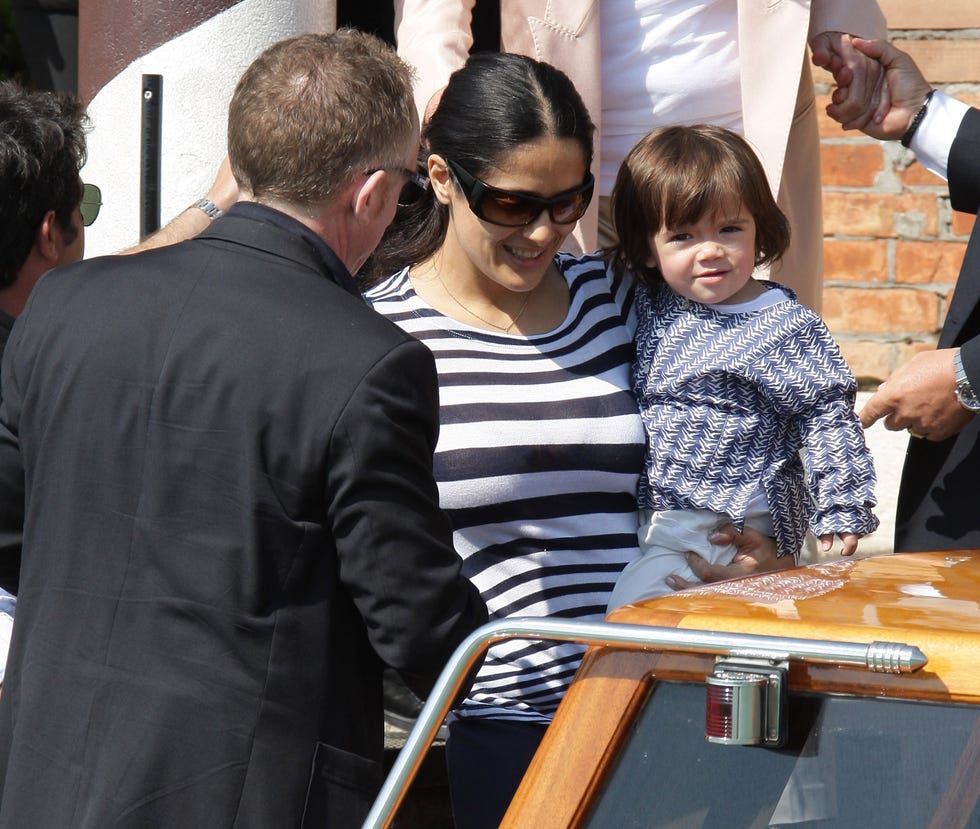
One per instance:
(510, 209)
(91, 202)
(415, 185)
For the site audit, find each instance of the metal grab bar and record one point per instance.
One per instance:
(888, 657)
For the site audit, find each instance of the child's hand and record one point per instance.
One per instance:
(850, 543)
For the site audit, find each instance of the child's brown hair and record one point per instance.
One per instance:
(676, 175)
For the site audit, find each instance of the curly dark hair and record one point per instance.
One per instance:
(42, 148)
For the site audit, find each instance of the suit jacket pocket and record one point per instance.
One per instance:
(341, 789)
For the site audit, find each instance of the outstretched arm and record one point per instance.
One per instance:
(434, 37)
(223, 193)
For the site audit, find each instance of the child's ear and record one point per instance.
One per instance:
(651, 261)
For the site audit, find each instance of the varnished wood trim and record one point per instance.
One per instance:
(585, 734)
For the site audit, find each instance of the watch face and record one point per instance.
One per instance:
(967, 398)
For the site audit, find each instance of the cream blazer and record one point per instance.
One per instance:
(779, 115)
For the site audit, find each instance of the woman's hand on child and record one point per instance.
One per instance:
(755, 553)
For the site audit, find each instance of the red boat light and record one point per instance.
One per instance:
(744, 704)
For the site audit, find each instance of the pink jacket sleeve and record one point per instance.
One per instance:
(855, 17)
(434, 36)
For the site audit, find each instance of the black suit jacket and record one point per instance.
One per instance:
(230, 522)
(939, 499)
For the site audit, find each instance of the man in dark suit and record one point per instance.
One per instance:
(42, 225)
(231, 523)
(936, 395)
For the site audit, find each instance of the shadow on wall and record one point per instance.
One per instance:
(11, 58)
(46, 32)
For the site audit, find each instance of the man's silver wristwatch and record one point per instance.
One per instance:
(964, 391)
(210, 208)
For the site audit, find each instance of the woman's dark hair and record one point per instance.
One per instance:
(492, 105)
(675, 175)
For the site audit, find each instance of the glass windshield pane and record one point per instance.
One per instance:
(849, 762)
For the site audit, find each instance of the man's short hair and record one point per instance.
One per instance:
(314, 111)
(42, 148)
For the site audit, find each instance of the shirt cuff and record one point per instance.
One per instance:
(6, 628)
(935, 134)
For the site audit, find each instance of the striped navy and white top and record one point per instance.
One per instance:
(539, 454)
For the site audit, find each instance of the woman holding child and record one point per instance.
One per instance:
(541, 444)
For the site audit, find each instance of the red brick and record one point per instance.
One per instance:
(928, 262)
(826, 125)
(962, 223)
(870, 362)
(851, 165)
(914, 14)
(881, 310)
(945, 61)
(971, 98)
(874, 238)
(949, 299)
(853, 261)
(915, 175)
(905, 351)
(875, 214)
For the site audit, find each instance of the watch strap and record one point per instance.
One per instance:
(965, 394)
(210, 208)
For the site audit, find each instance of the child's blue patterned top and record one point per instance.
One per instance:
(729, 400)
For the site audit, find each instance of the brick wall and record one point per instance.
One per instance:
(893, 245)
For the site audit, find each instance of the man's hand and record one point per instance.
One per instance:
(905, 91)
(919, 396)
(861, 91)
(756, 553)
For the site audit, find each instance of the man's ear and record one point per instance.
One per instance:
(370, 198)
(49, 239)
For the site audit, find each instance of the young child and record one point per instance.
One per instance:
(733, 376)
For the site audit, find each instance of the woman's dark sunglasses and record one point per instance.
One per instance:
(90, 204)
(509, 209)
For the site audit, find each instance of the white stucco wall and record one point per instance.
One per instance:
(199, 69)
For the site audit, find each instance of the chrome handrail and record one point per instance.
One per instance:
(888, 657)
